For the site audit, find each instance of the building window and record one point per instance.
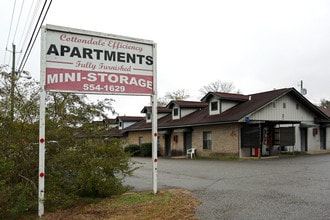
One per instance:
(140, 140)
(214, 106)
(207, 140)
(297, 106)
(284, 105)
(274, 105)
(148, 116)
(175, 112)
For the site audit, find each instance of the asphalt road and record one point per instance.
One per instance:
(280, 188)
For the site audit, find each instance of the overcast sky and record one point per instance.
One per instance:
(256, 45)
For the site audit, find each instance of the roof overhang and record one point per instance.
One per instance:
(182, 130)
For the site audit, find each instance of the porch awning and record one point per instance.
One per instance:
(164, 132)
(181, 130)
(302, 125)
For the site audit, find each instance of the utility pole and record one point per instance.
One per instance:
(12, 86)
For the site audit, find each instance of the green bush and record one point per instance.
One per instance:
(96, 169)
(132, 149)
(18, 170)
(146, 149)
(91, 170)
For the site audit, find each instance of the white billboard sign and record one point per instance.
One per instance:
(80, 61)
(91, 62)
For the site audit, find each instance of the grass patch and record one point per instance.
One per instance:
(219, 158)
(166, 204)
(296, 153)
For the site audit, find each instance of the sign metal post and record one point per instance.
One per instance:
(42, 127)
(154, 126)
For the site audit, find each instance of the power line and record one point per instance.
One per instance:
(18, 21)
(11, 23)
(17, 17)
(24, 32)
(34, 36)
(25, 25)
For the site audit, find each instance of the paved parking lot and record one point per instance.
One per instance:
(281, 188)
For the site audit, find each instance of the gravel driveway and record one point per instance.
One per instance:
(281, 188)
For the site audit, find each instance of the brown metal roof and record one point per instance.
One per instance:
(187, 104)
(110, 120)
(130, 118)
(253, 103)
(325, 111)
(225, 96)
(160, 109)
(114, 132)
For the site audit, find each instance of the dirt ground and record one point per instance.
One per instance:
(166, 204)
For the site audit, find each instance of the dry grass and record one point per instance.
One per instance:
(166, 204)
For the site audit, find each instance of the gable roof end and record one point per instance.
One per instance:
(260, 100)
(225, 96)
(160, 109)
(129, 118)
(186, 104)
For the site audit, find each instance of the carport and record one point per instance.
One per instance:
(267, 138)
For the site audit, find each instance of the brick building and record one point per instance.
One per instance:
(226, 124)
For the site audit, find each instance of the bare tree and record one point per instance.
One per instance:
(325, 103)
(162, 101)
(179, 94)
(218, 86)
